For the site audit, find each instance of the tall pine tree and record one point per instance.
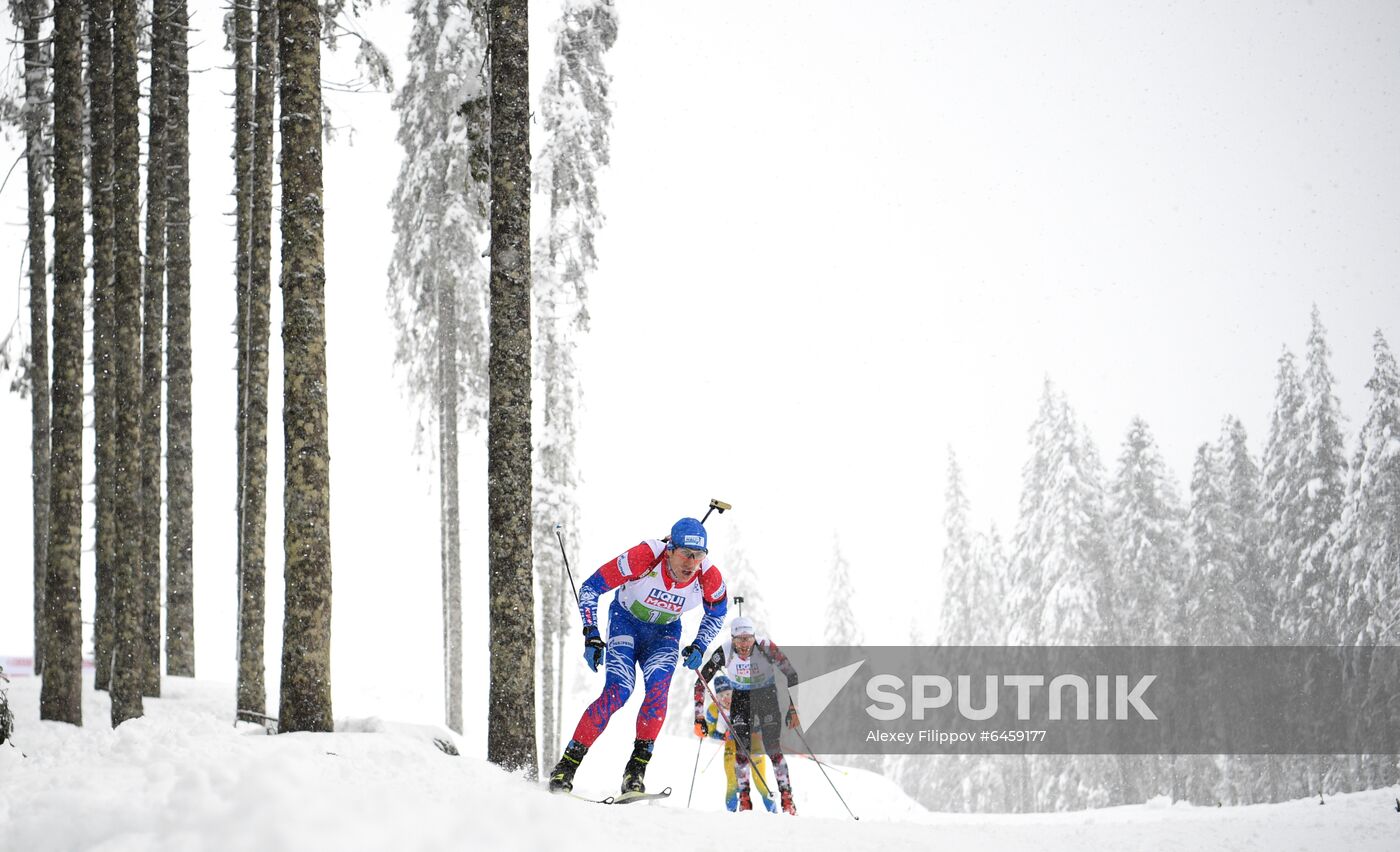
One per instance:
(575, 117)
(306, 633)
(1306, 616)
(1241, 484)
(510, 738)
(1284, 491)
(1366, 555)
(1145, 530)
(61, 698)
(437, 291)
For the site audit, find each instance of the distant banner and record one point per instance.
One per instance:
(1095, 700)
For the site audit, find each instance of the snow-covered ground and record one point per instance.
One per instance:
(184, 778)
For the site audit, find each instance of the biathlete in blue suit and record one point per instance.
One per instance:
(656, 583)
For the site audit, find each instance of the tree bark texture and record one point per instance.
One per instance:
(510, 739)
(179, 464)
(306, 630)
(153, 348)
(252, 690)
(62, 692)
(253, 538)
(450, 510)
(103, 332)
(127, 667)
(36, 121)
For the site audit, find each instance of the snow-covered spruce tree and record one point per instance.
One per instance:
(960, 593)
(841, 627)
(970, 616)
(1212, 611)
(1244, 529)
(1365, 557)
(1062, 584)
(1145, 534)
(574, 119)
(1145, 531)
(1284, 489)
(1367, 551)
(437, 283)
(1025, 576)
(1306, 611)
(990, 566)
(1074, 561)
(1305, 475)
(1212, 606)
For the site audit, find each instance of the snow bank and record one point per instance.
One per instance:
(185, 778)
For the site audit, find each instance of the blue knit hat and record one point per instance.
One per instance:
(689, 532)
(722, 684)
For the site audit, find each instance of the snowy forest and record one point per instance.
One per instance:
(1297, 547)
(497, 217)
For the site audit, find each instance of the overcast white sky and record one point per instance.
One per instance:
(841, 237)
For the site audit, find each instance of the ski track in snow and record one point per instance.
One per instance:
(184, 778)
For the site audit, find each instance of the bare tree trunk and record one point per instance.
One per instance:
(306, 631)
(251, 688)
(449, 381)
(179, 551)
(152, 348)
(127, 670)
(36, 119)
(510, 739)
(258, 329)
(103, 333)
(61, 699)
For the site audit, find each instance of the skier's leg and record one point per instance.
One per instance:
(766, 718)
(657, 655)
(617, 688)
(731, 788)
(741, 735)
(760, 768)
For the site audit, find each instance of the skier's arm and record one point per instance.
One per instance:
(776, 656)
(715, 663)
(612, 574)
(707, 672)
(716, 604)
(712, 722)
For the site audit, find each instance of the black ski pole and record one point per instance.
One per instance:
(748, 751)
(820, 766)
(693, 772)
(559, 534)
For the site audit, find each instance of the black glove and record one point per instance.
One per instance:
(593, 647)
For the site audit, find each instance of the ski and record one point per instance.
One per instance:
(622, 798)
